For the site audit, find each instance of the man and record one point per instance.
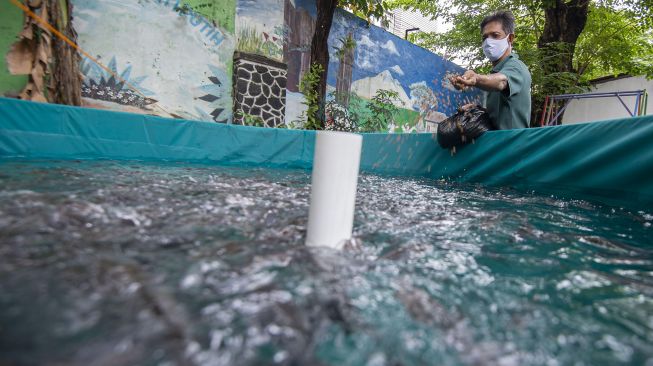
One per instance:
(509, 83)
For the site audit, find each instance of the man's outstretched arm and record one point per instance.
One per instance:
(491, 82)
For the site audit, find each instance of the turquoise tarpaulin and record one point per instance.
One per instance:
(609, 161)
(37, 130)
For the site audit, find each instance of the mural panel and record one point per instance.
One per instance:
(178, 60)
(368, 68)
(186, 68)
(299, 23)
(221, 12)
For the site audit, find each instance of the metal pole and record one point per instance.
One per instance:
(596, 95)
(625, 106)
(644, 102)
(548, 114)
(555, 119)
(551, 110)
(546, 104)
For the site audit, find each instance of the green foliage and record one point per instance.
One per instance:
(612, 43)
(405, 119)
(292, 125)
(367, 9)
(338, 118)
(249, 120)
(346, 44)
(308, 87)
(376, 115)
(359, 111)
(383, 111)
(252, 41)
(221, 12)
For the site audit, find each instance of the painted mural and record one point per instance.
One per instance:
(173, 58)
(370, 68)
(299, 23)
(260, 29)
(259, 73)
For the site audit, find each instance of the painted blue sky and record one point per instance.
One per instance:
(261, 11)
(378, 50)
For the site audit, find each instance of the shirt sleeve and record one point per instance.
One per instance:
(515, 79)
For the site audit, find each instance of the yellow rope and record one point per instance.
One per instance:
(76, 47)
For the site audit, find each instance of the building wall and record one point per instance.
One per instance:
(400, 20)
(587, 110)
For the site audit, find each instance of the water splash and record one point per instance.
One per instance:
(124, 263)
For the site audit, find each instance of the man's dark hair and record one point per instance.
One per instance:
(506, 19)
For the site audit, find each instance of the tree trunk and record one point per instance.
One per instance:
(320, 48)
(564, 22)
(52, 65)
(66, 82)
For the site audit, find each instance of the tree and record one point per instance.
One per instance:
(319, 45)
(564, 43)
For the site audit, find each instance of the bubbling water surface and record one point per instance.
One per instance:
(120, 263)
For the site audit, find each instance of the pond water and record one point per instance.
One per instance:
(123, 263)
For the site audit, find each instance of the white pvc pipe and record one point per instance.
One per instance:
(333, 188)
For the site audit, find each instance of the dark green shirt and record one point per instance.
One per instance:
(511, 107)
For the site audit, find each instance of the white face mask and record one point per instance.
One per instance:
(494, 48)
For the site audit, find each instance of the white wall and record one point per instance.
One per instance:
(597, 109)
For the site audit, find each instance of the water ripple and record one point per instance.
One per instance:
(139, 263)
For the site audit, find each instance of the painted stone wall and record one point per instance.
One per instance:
(177, 54)
(259, 90)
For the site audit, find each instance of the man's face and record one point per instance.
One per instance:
(493, 30)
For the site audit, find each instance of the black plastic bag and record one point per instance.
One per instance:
(463, 127)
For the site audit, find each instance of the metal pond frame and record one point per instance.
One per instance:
(641, 98)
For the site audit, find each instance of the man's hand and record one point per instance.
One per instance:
(468, 79)
(492, 82)
(467, 107)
